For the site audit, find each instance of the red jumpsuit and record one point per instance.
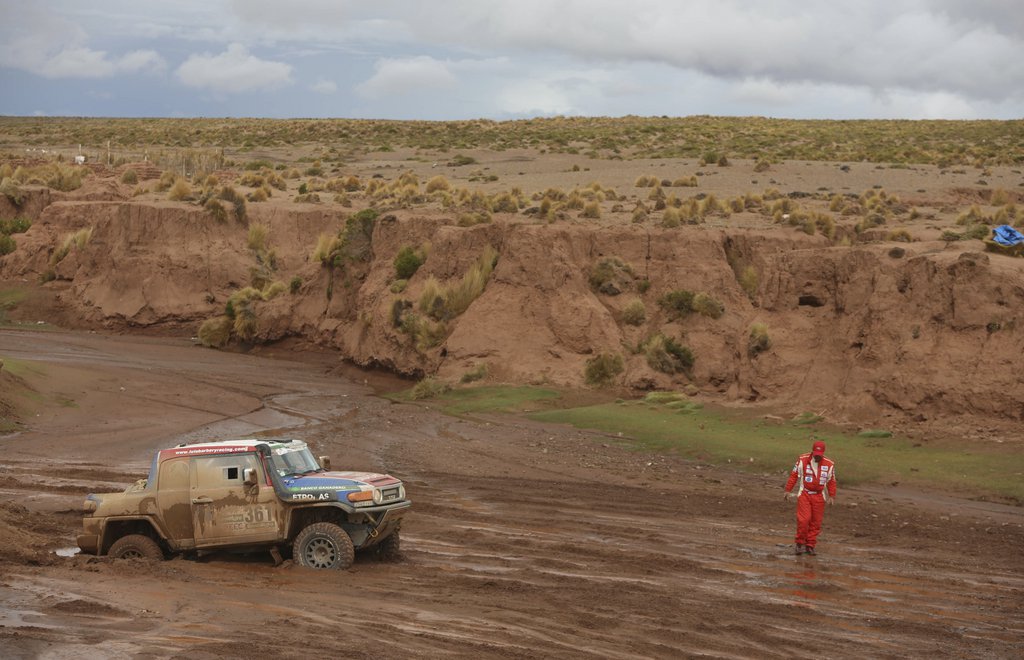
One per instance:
(814, 479)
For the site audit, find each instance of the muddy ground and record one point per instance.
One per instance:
(524, 541)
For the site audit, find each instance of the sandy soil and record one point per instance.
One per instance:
(524, 541)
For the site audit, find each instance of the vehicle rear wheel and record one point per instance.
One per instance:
(390, 548)
(136, 546)
(323, 545)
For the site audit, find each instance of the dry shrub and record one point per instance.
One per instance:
(167, 180)
(442, 303)
(432, 297)
(705, 305)
(326, 245)
(685, 182)
(10, 189)
(241, 307)
(216, 332)
(428, 388)
(611, 276)
(76, 240)
(671, 218)
(473, 375)
(668, 356)
(472, 283)
(749, 281)
(274, 289)
(677, 304)
(758, 341)
(438, 183)
(130, 176)
(257, 239)
(602, 369)
(180, 191)
(504, 203)
(635, 313)
(216, 210)
(591, 210)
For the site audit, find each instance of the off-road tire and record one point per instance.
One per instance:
(323, 545)
(136, 546)
(390, 549)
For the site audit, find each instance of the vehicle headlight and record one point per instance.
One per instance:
(378, 497)
(401, 492)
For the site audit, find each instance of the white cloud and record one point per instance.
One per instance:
(324, 87)
(967, 48)
(234, 70)
(534, 97)
(893, 58)
(50, 46)
(399, 77)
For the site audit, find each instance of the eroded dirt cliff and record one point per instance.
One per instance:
(926, 330)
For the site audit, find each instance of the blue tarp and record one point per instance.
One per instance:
(1007, 235)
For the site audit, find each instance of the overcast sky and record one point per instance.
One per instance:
(505, 59)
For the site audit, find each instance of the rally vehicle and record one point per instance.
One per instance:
(245, 495)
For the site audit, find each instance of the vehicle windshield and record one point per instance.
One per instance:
(290, 461)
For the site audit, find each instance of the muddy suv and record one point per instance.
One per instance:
(245, 495)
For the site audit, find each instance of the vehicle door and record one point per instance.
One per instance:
(225, 511)
(172, 500)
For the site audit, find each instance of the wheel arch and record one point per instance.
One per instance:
(120, 527)
(301, 517)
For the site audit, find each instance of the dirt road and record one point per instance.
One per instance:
(524, 541)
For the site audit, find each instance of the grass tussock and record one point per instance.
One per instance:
(57, 176)
(75, 240)
(634, 313)
(603, 369)
(429, 388)
(667, 355)
(443, 303)
(408, 261)
(758, 340)
(611, 276)
(216, 332)
(257, 237)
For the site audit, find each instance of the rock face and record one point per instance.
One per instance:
(926, 331)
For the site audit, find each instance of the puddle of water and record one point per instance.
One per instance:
(66, 552)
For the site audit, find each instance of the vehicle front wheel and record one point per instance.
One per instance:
(323, 545)
(136, 546)
(390, 548)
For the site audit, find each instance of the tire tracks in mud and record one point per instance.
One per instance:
(531, 541)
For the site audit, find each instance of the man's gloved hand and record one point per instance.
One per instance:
(830, 500)
(787, 496)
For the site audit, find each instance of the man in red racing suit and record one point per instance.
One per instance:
(817, 477)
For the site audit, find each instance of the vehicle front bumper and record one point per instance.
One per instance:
(89, 544)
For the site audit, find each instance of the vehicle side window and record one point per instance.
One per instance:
(222, 471)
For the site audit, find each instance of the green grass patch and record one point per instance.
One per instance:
(11, 298)
(22, 368)
(874, 433)
(488, 399)
(718, 436)
(497, 398)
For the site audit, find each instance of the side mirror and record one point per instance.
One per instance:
(249, 477)
(325, 462)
